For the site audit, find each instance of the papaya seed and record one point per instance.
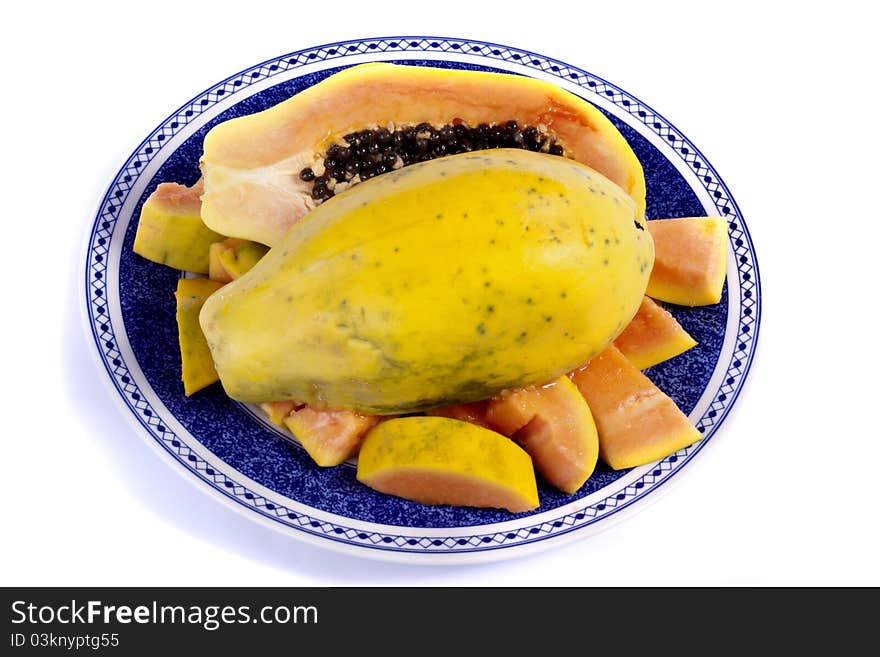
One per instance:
(374, 151)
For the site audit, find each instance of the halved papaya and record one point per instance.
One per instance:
(653, 336)
(690, 260)
(263, 172)
(637, 422)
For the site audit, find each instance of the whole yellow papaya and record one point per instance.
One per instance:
(439, 283)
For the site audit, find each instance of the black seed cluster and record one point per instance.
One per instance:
(374, 151)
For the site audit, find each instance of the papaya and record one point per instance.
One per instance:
(264, 171)
(232, 258)
(637, 422)
(653, 336)
(216, 270)
(440, 283)
(438, 460)
(330, 436)
(278, 410)
(170, 229)
(553, 424)
(474, 412)
(197, 367)
(690, 262)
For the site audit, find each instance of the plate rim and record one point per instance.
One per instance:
(384, 550)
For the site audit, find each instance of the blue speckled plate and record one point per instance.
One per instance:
(233, 453)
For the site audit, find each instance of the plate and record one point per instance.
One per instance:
(230, 451)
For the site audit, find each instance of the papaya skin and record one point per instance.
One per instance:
(440, 283)
(197, 368)
(251, 164)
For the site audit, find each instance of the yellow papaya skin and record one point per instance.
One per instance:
(440, 283)
(197, 368)
(251, 164)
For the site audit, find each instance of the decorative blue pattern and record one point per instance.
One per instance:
(464, 535)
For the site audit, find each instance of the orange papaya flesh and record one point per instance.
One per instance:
(278, 410)
(637, 422)
(690, 260)
(474, 412)
(330, 436)
(553, 424)
(653, 336)
(265, 171)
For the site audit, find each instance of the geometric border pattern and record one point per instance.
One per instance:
(96, 290)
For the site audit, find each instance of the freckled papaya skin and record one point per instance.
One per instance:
(440, 283)
(251, 164)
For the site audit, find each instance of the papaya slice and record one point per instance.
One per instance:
(233, 258)
(278, 410)
(474, 412)
(216, 270)
(263, 172)
(554, 425)
(330, 436)
(240, 259)
(690, 260)
(170, 229)
(197, 366)
(653, 336)
(637, 422)
(438, 460)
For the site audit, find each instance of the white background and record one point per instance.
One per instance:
(781, 99)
